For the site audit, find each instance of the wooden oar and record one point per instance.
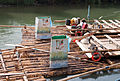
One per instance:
(96, 70)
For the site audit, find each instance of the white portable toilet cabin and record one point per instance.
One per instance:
(43, 27)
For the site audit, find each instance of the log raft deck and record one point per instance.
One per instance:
(33, 65)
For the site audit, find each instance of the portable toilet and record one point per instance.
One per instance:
(43, 27)
(58, 52)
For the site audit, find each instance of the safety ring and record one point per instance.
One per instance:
(96, 60)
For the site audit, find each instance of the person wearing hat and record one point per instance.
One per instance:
(83, 20)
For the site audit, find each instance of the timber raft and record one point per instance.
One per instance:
(33, 65)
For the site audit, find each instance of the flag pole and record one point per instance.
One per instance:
(88, 15)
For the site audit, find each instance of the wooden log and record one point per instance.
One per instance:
(89, 72)
(17, 26)
(103, 50)
(59, 21)
(10, 74)
(92, 29)
(62, 21)
(113, 36)
(109, 61)
(109, 33)
(83, 59)
(60, 26)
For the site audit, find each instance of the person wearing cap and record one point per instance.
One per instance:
(83, 20)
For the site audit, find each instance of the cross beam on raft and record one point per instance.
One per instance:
(104, 26)
(114, 23)
(117, 21)
(109, 24)
(83, 48)
(89, 72)
(2, 61)
(99, 42)
(115, 42)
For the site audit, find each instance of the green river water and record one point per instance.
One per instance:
(26, 15)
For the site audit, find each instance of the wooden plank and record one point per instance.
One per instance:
(115, 42)
(98, 22)
(10, 74)
(114, 23)
(97, 40)
(2, 61)
(104, 26)
(109, 24)
(83, 48)
(117, 21)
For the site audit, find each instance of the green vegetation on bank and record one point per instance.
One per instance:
(55, 2)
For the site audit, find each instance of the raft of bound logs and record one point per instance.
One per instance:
(25, 63)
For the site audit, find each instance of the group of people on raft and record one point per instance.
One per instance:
(77, 23)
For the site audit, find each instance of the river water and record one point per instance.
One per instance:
(26, 15)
